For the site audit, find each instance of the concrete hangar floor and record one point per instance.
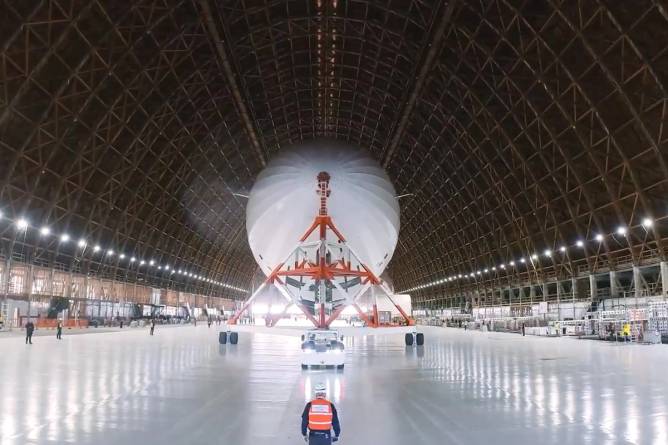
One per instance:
(181, 387)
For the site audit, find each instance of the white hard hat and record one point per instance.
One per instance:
(320, 388)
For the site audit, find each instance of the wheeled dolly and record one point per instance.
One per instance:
(414, 337)
(224, 336)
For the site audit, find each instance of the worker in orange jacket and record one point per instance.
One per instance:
(319, 418)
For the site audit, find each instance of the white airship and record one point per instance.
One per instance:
(283, 203)
(357, 197)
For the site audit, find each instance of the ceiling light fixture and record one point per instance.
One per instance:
(22, 224)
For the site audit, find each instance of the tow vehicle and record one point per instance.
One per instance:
(322, 347)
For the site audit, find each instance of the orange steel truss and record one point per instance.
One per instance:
(323, 270)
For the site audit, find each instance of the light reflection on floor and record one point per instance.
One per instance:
(180, 387)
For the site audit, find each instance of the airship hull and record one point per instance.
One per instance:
(283, 203)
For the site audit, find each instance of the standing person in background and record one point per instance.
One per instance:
(209, 321)
(152, 325)
(30, 328)
(59, 330)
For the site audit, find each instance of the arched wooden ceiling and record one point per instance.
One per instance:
(517, 126)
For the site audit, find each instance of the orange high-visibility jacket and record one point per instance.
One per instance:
(320, 415)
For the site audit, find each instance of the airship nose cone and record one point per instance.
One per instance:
(283, 203)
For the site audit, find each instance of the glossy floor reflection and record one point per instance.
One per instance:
(181, 387)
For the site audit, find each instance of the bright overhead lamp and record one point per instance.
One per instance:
(159, 267)
(133, 259)
(110, 252)
(621, 231)
(579, 243)
(502, 266)
(142, 262)
(547, 252)
(97, 248)
(647, 223)
(522, 260)
(512, 263)
(44, 231)
(599, 237)
(121, 256)
(81, 243)
(64, 238)
(486, 270)
(22, 224)
(562, 249)
(534, 257)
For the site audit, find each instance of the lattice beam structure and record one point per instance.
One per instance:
(515, 126)
(323, 275)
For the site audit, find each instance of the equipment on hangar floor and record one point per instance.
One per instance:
(414, 337)
(224, 336)
(322, 276)
(322, 348)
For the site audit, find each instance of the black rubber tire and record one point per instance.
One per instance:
(339, 366)
(409, 339)
(304, 366)
(234, 338)
(419, 338)
(222, 338)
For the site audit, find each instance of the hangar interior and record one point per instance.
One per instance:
(526, 142)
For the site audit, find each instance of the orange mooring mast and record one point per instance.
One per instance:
(323, 267)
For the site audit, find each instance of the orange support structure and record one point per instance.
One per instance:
(322, 270)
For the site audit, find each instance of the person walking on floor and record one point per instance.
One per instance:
(30, 328)
(152, 326)
(59, 330)
(319, 418)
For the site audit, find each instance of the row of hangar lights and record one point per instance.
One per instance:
(22, 225)
(647, 223)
